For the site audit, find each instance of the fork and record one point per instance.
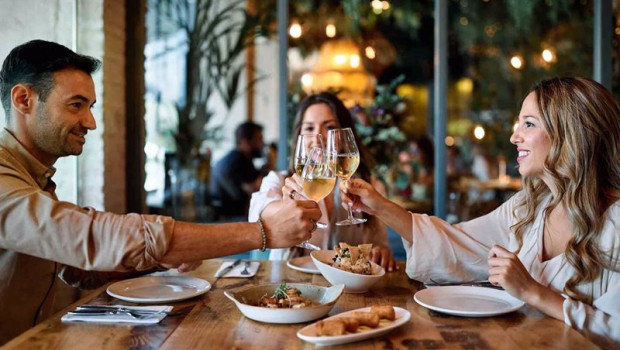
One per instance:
(245, 271)
(137, 316)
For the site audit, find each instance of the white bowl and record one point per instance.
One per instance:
(353, 282)
(324, 297)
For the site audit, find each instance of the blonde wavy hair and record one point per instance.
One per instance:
(582, 120)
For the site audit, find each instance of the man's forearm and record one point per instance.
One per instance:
(192, 242)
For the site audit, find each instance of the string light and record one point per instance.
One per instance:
(516, 62)
(306, 80)
(515, 126)
(449, 141)
(330, 30)
(370, 52)
(295, 31)
(479, 132)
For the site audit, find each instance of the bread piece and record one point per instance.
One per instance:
(355, 253)
(384, 311)
(366, 318)
(330, 327)
(365, 249)
(350, 323)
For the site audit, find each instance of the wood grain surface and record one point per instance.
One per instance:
(211, 321)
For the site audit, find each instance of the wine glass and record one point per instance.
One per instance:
(341, 142)
(318, 179)
(304, 143)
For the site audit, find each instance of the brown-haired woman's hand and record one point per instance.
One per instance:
(383, 256)
(292, 188)
(363, 196)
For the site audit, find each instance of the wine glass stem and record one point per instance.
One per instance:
(350, 204)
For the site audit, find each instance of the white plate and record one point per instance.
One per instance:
(303, 264)
(308, 333)
(158, 289)
(468, 301)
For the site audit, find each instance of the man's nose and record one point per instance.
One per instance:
(89, 121)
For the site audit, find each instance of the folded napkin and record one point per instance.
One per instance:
(236, 271)
(115, 314)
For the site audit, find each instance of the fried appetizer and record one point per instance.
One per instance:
(366, 318)
(384, 311)
(331, 327)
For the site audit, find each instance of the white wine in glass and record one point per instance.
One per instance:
(318, 179)
(303, 145)
(341, 142)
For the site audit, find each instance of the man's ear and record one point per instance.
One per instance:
(22, 99)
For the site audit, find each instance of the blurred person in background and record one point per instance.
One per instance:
(234, 177)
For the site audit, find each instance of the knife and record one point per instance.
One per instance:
(228, 268)
(107, 308)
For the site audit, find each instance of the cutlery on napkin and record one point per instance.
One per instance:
(117, 314)
(236, 269)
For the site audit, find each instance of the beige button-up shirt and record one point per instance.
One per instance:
(37, 231)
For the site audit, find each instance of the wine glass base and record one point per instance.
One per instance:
(308, 245)
(353, 221)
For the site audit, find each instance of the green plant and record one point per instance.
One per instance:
(216, 34)
(378, 128)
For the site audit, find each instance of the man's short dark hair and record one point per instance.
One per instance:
(246, 131)
(34, 64)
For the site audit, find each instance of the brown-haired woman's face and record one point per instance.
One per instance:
(318, 119)
(530, 137)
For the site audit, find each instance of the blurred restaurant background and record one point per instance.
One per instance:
(435, 86)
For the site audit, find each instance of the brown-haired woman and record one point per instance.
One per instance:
(316, 115)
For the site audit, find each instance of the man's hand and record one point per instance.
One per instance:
(288, 223)
(184, 267)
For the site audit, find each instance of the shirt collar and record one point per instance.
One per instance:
(41, 173)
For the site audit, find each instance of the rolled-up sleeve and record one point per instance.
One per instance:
(33, 223)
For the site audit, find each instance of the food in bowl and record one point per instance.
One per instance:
(323, 300)
(284, 297)
(353, 259)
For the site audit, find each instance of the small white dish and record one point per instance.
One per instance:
(353, 282)
(468, 301)
(308, 333)
(324, 297)
(303, 264)
(158, 289)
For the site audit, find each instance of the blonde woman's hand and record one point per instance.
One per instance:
(383, 256)
(292, 188)
(507, 271)
(362, 195)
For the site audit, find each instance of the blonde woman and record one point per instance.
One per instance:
(317, 114)
(555, 244)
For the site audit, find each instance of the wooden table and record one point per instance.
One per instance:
(213, 322)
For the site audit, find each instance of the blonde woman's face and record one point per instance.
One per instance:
(531, 139)
(318, 119)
